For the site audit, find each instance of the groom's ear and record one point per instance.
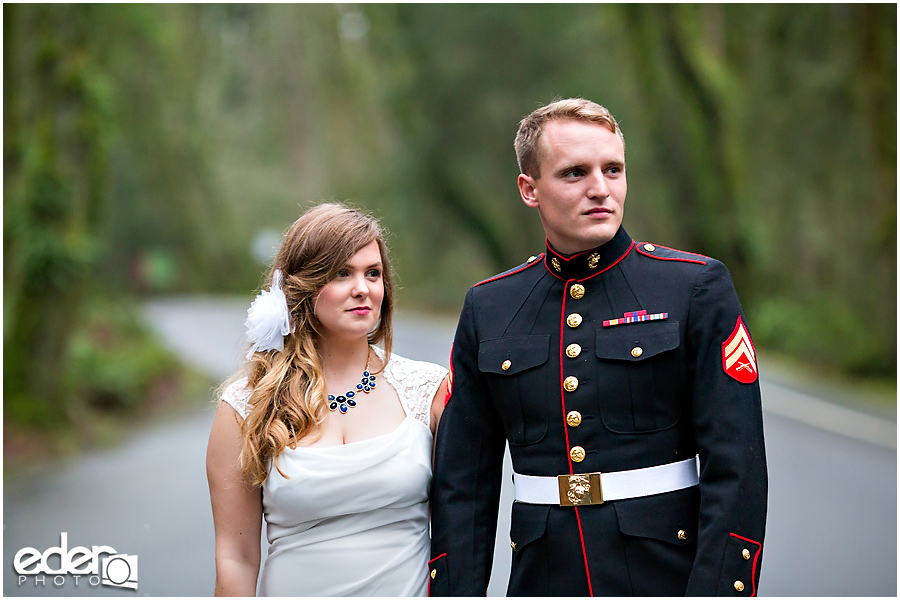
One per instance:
(527, 190)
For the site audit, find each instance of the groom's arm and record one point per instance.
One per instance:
(467, 474)
(727, 420)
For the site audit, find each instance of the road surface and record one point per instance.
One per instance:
(832, 528)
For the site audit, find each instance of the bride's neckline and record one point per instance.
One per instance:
(389, 379)
(315, 447)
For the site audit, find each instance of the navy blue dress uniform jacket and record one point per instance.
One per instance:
(669, 401)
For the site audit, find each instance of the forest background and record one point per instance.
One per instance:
(163, 149)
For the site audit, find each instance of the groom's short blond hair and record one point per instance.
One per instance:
(528, 137)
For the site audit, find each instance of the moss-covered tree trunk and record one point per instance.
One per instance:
(51, 204)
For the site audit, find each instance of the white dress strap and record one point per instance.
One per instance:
(416, 383)
(237, 394)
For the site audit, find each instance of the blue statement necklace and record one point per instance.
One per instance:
(346, 402)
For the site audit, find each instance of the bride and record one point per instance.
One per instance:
(327, 436)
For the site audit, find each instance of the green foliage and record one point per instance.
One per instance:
(96, 98)
(112, 361)
(824, 332)
(116, 376)
(111, 364)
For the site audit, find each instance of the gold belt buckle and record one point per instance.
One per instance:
(580, 489)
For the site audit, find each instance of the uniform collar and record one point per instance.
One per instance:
(590, 262)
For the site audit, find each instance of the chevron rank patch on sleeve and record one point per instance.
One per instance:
(738, 355)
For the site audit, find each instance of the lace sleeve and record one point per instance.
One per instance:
(416, 383)
(237, 395)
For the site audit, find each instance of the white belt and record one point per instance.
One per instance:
(595, 488)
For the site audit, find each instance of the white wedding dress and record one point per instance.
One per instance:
(352, 520)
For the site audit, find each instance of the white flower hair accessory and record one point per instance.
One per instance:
(268, 319)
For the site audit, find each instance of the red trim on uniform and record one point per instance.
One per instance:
(576, 255)
(651, 255)
(618, 260)
(428, 574)
(562, 325)
(537, 259)
(554, 274)
(686, 252)
(624, 254)
(755, 559)
(449, 378)
(584, 553)
(682, 251)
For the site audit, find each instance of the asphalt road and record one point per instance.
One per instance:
(832, 528)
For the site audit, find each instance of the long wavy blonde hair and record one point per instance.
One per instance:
(288, 396)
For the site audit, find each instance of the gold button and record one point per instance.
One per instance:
(570, 383)
(637, 351)
(746, 554)
(573, 418)
(506, 365)
(573, 350)
(512, 545)
(531, 258)
(433, 573)
(649, 247)
(682, 534)
(593, 260)
(576, 454)
(555, 264)
(577, 291)
(573, 320)
(739, 586)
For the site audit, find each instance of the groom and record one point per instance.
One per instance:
(623, 377)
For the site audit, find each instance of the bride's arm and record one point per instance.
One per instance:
(236, 507)
(437, 404)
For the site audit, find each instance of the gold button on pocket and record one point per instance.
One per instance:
(506, 365)
(433, 573)
(746, 554)
(573, 418)
(637, 351)
(682, 534)
(570, 383)
(577, 291)
(573, 350)
(576, 454)
(739, 586)
(573, 320)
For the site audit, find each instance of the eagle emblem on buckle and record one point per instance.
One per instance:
(580, 489)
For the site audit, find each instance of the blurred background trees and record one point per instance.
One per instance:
(164, 148)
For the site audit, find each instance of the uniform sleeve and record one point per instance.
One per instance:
(727, 419)
(467, 474)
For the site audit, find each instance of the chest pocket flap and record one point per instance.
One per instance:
(516, 353)
(636, 342)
